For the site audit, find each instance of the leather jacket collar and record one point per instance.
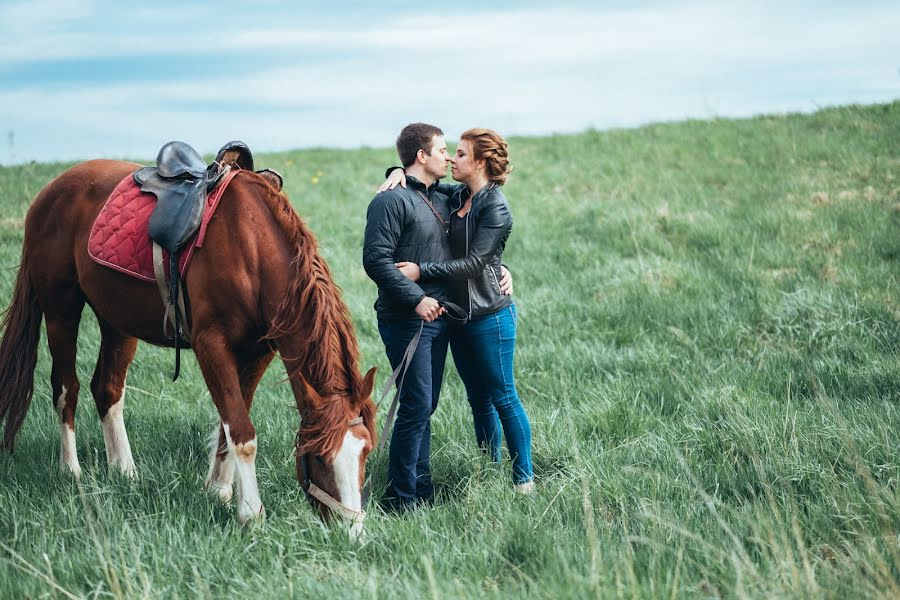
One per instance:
(463, 192)
(418, 185)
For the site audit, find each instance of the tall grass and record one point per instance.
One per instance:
(708, 350)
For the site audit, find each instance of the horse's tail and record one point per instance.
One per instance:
(18, 353)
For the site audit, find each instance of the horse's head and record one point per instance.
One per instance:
(335, 438)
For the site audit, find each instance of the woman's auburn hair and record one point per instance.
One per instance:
(489, 146)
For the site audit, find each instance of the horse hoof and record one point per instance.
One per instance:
(128, 471)
(357, 534)
(73, 470)
(247, 516)
(223, 493)
(222, 490)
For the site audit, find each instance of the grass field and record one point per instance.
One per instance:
(708, 350)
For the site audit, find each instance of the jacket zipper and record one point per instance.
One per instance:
(494, 277)
(469, 281)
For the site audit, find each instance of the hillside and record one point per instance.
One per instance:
(707, 348)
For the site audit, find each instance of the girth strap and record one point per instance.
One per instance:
(176, 315)
(159, 271)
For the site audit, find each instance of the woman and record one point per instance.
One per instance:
(483, 348)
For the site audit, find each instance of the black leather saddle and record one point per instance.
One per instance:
(181, 182)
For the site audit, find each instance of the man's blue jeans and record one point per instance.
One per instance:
(483, 352)
(409, 466)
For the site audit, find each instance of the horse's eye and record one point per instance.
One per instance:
(319, 460)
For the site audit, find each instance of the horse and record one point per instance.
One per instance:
(258, 287)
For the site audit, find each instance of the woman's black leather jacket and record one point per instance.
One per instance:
(488, 225)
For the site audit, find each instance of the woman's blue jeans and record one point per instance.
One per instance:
(483, 352)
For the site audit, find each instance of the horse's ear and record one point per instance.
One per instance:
(310, 396)
(273, 177)
(368, 384)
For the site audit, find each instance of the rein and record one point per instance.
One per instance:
(315, 492)
(453, 312)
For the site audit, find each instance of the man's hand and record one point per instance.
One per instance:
(429, 309)
(505, 281)
(409, 269)
(396, 176)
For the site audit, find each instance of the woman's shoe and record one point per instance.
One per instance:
(524, 488)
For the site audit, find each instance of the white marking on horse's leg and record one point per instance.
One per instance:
(118, 450)
(61, 402)
(249, 503)
(220, 479)
(346, 471)
(68, 456)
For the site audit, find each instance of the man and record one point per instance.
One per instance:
(410, 224)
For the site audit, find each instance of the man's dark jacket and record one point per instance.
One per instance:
(401, 227)
(488, 225)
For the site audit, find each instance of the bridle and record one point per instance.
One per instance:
(314, 492)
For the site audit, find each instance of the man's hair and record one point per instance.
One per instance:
(415, 137)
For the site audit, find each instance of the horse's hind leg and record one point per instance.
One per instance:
(108, 387)
(62, 317)
(220, 479)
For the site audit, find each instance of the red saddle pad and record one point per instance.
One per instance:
(119, 237)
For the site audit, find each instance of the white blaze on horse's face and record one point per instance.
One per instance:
(348, 471)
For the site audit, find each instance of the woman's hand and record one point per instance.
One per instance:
(505, 281)
(396, 176)
(409, 269)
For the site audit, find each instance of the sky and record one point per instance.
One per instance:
(91, 79)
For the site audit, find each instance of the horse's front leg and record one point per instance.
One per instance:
(220, 479)
(219, 365)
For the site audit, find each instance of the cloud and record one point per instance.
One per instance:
(320, 80)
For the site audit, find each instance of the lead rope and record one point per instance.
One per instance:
(399, 371)
(453, 312)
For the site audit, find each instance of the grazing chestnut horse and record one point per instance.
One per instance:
(257, 286)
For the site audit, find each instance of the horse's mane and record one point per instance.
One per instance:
(314, 309)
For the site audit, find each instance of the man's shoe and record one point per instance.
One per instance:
(396, 506)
